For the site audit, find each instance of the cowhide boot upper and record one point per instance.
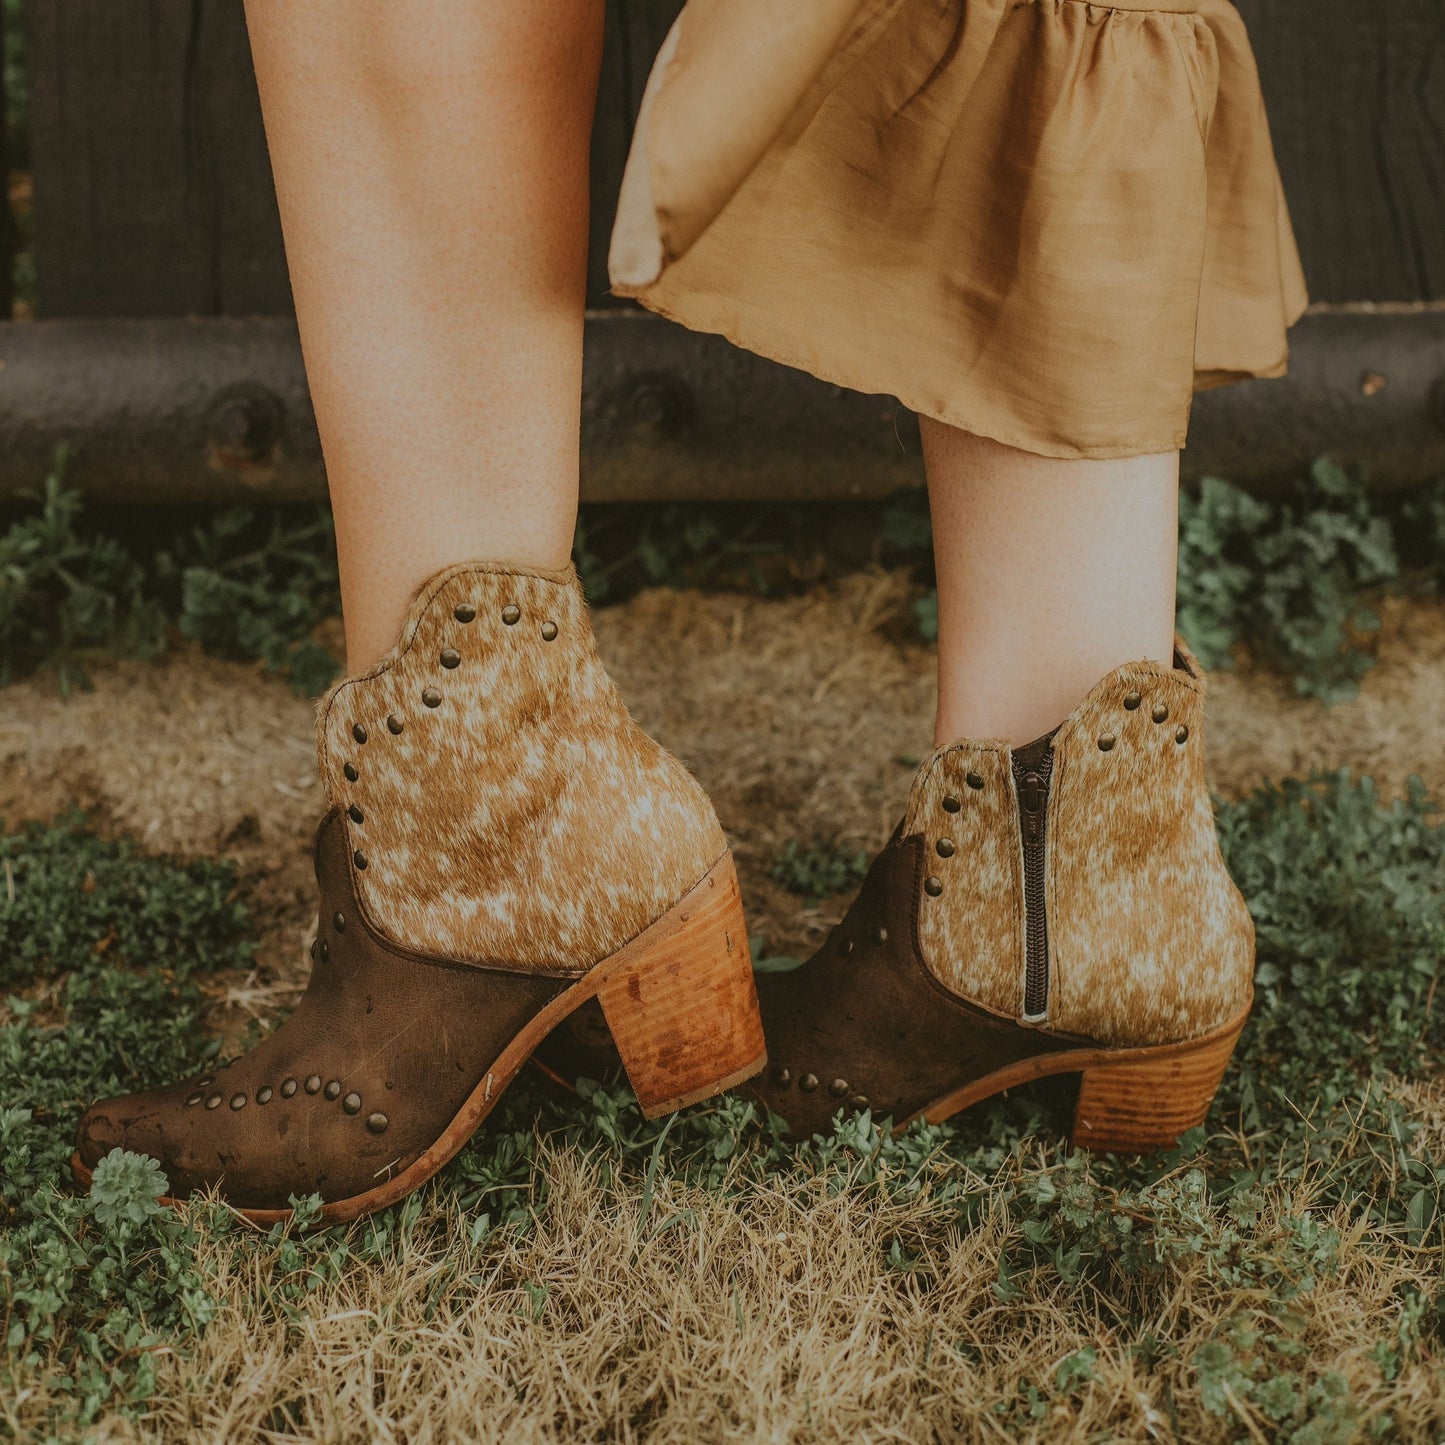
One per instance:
(501, 834)
(501, 804)
(1057, 907)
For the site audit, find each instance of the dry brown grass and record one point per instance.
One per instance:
(767, 1309)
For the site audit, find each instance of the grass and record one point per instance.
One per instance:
(819, 869)
(579, 1273)
(1289, 576)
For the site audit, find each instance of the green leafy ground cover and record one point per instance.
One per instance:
(104, 949)
(820, 869)
(1290, 576)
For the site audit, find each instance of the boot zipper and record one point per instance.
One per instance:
(1033, 766)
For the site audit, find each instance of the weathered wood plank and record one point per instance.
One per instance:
(153, 187)
(1356, 99)
(217, 411)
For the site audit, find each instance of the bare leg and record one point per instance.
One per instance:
(431, 166)
(1050, 573)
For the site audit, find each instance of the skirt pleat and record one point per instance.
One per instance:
(1048, 222)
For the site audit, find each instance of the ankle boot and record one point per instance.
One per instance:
(503, 844)
(1056, 908)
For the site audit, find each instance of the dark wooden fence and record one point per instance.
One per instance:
(153, 200)
(154, 193)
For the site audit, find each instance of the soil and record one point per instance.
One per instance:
(804, 717)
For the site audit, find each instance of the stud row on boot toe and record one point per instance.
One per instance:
(351, 1103)
(808, 1084)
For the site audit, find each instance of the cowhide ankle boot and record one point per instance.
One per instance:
(1056, 908)
(504, 843)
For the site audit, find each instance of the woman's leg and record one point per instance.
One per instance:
(431, 165)
(1050, 573)
(502, 843)
(1054, 900)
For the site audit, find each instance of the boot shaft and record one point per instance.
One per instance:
(1077, 884)
(501, 805)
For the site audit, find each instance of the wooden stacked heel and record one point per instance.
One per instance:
(683, 1008)
(1134, 1101)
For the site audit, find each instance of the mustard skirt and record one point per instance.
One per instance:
(1048, 222)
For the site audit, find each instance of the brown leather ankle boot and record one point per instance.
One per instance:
(1057, 908)
(504, 843)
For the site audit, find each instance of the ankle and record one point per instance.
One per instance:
(1015, 695)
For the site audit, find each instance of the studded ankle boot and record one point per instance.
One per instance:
(1056, 908)
(503, 844)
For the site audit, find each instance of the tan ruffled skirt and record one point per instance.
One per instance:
(1048, 222)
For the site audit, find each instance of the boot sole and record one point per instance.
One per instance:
(1131, 1100)
(682, 1006)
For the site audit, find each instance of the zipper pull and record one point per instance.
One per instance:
(1033, 801)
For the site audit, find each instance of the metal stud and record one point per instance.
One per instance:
(194, 1099)
(450, 657)
(338, 921)
(431, 697)
(838, 1088)
(359, 733)
(352, 774)
(314, 953)
(238, 1101)
(313, 1084)
(782, 1077)
(1132, 701)
(333, 1089)
(808, 1083)
(1106, 742)
(394, 725)
(549, 631)
(880, 936)
(933, 886)
(974, 780)
(352, 1103)
(288, 1088)
(951, 804)
(511, 614)
(377, 1123)
(204, 1080)
(325, 950)
(858, 1101)
(263, 1094)
(359, 858)
(355, 814)
(945, 848)
(847, 947)
(213, 1102)
(465, 612)
(1160, 713)
(1182, 736)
